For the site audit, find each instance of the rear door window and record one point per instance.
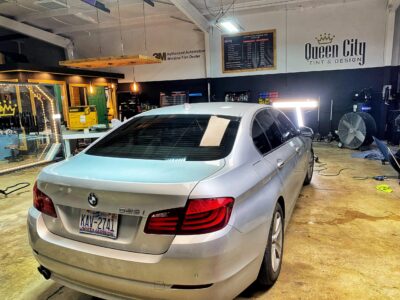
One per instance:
(164, 137)
(259, 138)
(270, 127)
(286, 127)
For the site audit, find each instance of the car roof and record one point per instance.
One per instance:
(234, 109)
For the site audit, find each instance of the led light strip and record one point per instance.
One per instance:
(50, 99)
(53, 114)
(38, 97)
(297, 105)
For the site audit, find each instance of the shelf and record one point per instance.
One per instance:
(110, 61)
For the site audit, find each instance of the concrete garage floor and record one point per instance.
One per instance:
(342, 242)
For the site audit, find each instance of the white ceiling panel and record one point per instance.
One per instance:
(68, 17)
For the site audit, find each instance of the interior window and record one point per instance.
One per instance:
(78, 95)
(259, 139)
(286, 127)
(270, 128)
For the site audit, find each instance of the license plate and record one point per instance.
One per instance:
(98, 223)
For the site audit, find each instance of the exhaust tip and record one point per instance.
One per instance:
(46, 273)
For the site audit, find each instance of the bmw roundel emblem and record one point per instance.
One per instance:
(92, 199)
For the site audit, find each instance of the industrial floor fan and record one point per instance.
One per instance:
(356, 129)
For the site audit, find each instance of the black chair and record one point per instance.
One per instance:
(393, 159)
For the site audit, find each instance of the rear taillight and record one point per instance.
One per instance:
(43, 203)
(199, 216)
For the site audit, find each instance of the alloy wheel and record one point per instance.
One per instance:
(276, 241)
(310, 166)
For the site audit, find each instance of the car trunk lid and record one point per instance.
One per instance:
(129, 188)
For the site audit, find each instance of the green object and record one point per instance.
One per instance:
(58, 96)
(98, 98)
(384, 188)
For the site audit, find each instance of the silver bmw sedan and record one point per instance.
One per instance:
(180, 202)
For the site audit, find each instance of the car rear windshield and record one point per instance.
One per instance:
(164, 137)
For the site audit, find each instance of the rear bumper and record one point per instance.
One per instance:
(226, 262)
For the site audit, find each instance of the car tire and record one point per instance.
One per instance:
(310, 169)
(272, 260)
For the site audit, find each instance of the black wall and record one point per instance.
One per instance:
(150, 91)
(338, 85)
(31, 51)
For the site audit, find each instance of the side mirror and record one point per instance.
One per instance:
(306, 132)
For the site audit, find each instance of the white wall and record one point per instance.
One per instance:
(396, 40)
(363, 20)
(253, 22)
(183, 47)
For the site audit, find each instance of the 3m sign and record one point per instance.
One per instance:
(160, 55)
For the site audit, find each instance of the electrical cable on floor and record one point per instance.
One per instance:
(324, 167)
(335, 174)
(377, 178)
(17, 187)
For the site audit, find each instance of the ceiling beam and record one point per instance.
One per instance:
(34, 32)
(256, 4)
(191, 12)
(269, 4)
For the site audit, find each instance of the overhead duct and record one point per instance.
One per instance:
(51, 4)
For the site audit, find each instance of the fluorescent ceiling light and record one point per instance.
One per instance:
(229, 26)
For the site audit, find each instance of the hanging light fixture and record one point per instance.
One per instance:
(134, 85)
(91, 89)
(229, 25)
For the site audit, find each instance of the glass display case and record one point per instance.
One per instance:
(29, 126)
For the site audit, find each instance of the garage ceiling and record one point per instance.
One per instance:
(71, 17)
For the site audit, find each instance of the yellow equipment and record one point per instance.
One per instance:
(81, 117)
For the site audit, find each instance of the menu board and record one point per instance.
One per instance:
(249, 51)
